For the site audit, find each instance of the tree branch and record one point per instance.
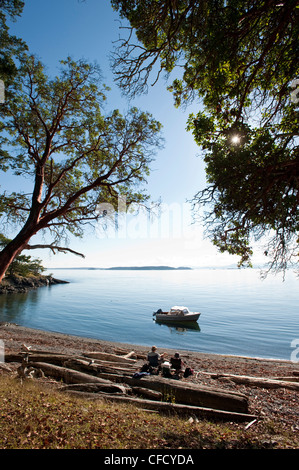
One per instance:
(54, 248)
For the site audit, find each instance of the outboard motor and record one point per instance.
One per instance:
(158, 311)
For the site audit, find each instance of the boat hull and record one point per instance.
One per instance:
(167, 317)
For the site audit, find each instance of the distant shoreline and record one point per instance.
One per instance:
(154, 268)
(20, 285)
(132, 268)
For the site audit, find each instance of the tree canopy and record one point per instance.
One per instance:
(11, 46)
(240, 61)
(55, 134)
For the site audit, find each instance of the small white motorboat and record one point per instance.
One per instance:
(176, 314)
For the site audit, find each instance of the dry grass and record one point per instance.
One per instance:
(34, 415)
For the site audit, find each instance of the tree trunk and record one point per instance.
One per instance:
(7, 255)
(13, 249)
(31, 227)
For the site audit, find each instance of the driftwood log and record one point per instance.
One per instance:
(69, 376)
(258, 381)
(188, 393)
(109, 357)
(95, 388)
(173, 408)
(57, 359)
(82, 364)
(133, 354)
(147, 393)
(96, 368)
(288, 379)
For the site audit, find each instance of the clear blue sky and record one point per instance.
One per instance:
(56, 29)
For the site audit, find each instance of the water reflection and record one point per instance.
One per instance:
(15, 307)
(179, 327)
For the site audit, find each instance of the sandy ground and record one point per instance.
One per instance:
(274, 404)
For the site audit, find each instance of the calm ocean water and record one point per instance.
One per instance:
(240, 314)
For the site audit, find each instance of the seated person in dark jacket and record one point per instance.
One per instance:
(176, 362)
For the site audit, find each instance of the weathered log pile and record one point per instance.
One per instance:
(110, 377)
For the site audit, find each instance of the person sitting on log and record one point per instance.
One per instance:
(177, 364)
(154, 361)
(165, 369)
(154, 358)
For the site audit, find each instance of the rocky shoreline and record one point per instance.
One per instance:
(20, 285)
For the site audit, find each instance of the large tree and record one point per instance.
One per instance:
(55, 134)
(240, 60)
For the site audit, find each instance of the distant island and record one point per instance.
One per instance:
(127, 268)
(146, 268)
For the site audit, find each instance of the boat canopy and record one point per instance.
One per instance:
(176, 310)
